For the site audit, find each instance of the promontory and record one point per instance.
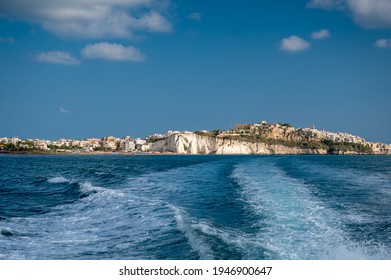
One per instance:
(261, 138)
(265, 138)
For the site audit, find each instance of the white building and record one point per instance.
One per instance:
(109, 144)
(139, 141)
(128, 146)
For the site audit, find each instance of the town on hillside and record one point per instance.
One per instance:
(263, 129)
(90, 145)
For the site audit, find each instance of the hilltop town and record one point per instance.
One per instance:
(257, 138)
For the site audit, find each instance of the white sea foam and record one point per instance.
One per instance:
(297, 225)
(201, 235)
(131, 221)
(58, 180)
(94, 225)
(246, 244)
(196, 241)
(138, 220)
(89, 188)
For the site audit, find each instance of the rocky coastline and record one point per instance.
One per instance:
(244, 139)
(192, 143)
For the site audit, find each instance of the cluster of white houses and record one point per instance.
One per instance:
(108, 143)
(335, 136)
(286, 131)
(127, 144)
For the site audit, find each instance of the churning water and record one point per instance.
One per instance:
(195, 207)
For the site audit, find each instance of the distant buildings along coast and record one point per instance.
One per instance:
(256, 138)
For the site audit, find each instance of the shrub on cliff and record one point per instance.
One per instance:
(335, 147)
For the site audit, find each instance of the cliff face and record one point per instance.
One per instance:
(380, 148)
(191, 143)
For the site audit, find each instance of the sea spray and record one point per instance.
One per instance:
(203, 207)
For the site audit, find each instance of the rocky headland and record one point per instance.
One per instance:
(260, 138)
(265, 139)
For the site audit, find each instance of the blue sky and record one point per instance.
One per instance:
(77, 69)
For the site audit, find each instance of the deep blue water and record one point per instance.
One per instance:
(195, 207)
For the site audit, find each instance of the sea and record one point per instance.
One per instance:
(159, 207)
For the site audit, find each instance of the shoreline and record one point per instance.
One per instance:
(171, 153)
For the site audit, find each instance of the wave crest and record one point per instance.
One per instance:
(58, 180)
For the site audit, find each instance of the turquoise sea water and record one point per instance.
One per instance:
(195, 207)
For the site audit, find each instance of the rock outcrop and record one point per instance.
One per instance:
(264, 139)
(192, 143)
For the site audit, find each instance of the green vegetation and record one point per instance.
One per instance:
(335, 147)
(287, 143)
(63, 147)
(155, 139)
(9, 147)
(21, 147)
(29, 144)
(202, 133)
(285, 124)
(102, 149)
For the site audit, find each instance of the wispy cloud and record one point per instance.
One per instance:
(57, 57)
(367, 13)
(115, 52)
(294, 44)
(321, 34)
(195, 16)
(383, 43)
(94, 19)
(63, 111)
(6, 40)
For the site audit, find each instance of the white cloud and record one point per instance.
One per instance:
(367, 13)
(93, 19)
(152, 22)
(294, 44)
(56, 57)
(371, 13)
(321, 34)
(114, 52)
(383, 43)
(64, 111)
(195, 16)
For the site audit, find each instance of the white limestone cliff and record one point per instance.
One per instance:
(191, 143)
